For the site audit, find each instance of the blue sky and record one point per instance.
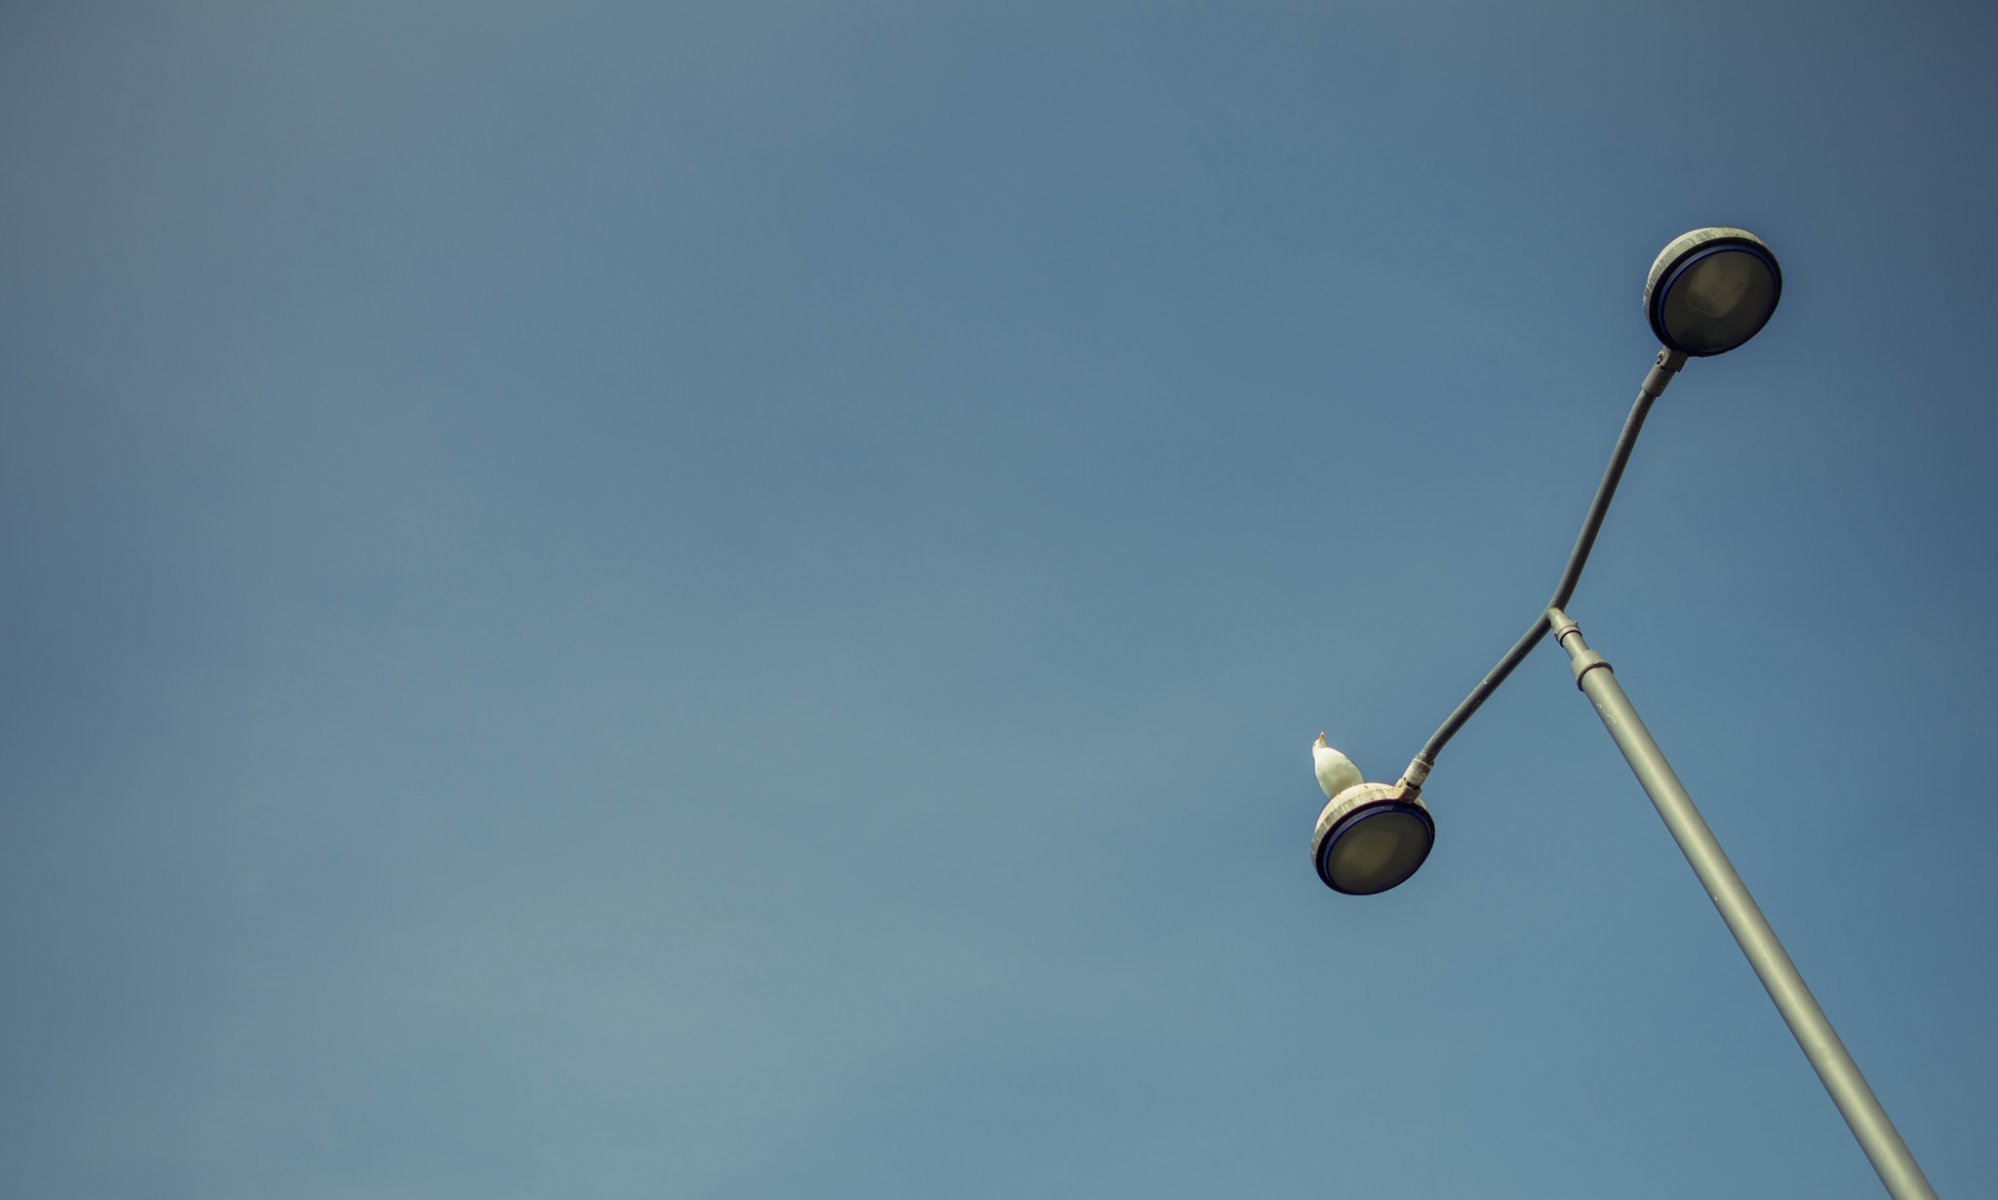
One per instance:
(621, 600)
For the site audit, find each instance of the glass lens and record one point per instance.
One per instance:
(1378, 851)
(1715, 286)
(1719, 302)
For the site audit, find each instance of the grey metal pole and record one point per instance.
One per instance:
(1841, 1077)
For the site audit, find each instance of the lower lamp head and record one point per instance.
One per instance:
(1371, 838)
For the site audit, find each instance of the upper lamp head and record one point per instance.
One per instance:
(1711, 290)
(1371, 838)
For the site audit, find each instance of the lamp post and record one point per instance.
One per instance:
(1708, 292)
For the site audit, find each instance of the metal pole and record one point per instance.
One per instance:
(1840, 1075)
(1663, 369)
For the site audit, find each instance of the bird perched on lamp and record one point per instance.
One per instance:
(1336, 772)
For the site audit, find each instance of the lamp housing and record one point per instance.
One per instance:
(1370, 838)
(1711, 289)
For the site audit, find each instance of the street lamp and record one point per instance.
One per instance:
(1708, 292)
(1711, 290)
(1370, 838)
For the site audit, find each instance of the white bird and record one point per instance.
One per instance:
(1336, 772)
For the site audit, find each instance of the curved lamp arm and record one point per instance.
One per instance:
(1655, 382)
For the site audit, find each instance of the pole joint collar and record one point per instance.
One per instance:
(1410, 784)
(1568, 636)
(1585, 660)
(1662, 370)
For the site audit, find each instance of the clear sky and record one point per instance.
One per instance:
(628, 600)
